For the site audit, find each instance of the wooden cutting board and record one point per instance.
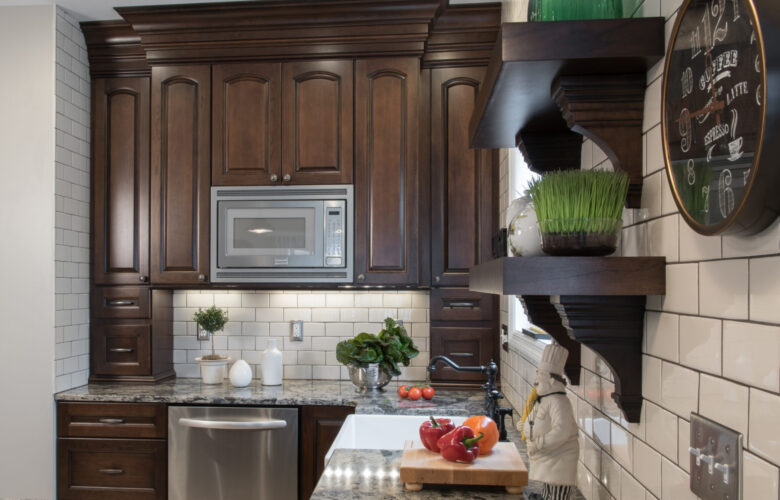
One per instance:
(502, 467)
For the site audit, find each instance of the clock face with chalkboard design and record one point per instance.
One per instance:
(714, 113)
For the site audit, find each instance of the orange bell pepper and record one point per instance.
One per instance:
(485, 425)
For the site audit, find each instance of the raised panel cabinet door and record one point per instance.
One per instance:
(181, 124)
(246, 124)
(466, 346)
(317, 120)
(463, 204)
(120, 179)
(386, 171)
(319, 427)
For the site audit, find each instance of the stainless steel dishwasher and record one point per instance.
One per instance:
(232, 453)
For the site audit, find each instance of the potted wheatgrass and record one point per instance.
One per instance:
(580, 211)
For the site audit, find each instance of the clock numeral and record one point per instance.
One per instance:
(705, 21)
(758, 95)
(720, 32)
(746, 176)
(687, 82)
(735, 5)
(705, 191)
(725, 193)
(695, 43)
(686, 132)
(691, 172)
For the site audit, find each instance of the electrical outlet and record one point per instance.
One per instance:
(297, 331)
(202, 334)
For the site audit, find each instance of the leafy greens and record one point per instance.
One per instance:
(390, 348)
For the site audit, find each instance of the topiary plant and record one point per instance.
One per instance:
(211, 320)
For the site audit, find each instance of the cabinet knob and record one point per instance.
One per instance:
(437, 279)
(201, 277)
(361, 277)
(274, 178)
(286, 178)
(143, 279)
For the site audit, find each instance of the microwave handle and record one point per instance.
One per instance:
(265, 424)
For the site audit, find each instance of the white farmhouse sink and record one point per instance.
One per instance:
(380, 432)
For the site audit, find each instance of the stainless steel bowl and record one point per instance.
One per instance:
(370, 377)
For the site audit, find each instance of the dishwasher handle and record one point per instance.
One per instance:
(265, 424)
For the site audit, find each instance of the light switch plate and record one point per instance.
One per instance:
(724, 445)
(297, 331)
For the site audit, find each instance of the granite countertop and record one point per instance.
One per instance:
(364, 474)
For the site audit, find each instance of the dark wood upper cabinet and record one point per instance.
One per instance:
(317, 121)
(181, 125)
(120, 173)
(246, 124)
(386, 171)
(463, 213)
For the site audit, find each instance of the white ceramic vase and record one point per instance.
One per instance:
(522, 228)
(272, 364)
(240, 374)
(212, 371)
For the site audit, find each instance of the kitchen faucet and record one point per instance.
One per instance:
(492, 394)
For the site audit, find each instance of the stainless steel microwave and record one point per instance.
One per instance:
(282, 234)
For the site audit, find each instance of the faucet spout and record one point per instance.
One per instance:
(453, 365)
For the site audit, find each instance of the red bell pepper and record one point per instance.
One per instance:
(431, 430)
(460, 445)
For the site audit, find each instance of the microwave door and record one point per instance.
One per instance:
(270, 234)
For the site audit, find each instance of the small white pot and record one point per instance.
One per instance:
(213, 371)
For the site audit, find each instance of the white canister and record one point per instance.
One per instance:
(240, 374)
(272, 364)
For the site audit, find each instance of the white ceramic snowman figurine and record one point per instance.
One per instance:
(550, 429)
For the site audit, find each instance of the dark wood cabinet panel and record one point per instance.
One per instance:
(121, 348)
(319, 427)
(112, 420)
(246, 124)
(120, 177)
(466, 346)
(112, 469)
(460, 304)
(462, 197)
(317, 122)
(121, 302)
(386, 171)
(181, 124)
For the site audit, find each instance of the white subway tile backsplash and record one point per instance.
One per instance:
(283, 300)
(664, 241)
(661, 335)
(675, 482)
(725, 402)
(683, 443)
(610, 474)
(723, 289)
(647, 467)
(630, 488)
(695, 246)
(700, 343)
(752, 354)
(651, 378)
(765, 289)
(622, 445)
(764, 438)
(682, 290)
(760, 480)
(661, 428)
(679, 389)
(340, 300)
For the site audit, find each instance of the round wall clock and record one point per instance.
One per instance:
(720, 114)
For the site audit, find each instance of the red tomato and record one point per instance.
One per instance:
(428, 392)
(415, 393)
(403, 391)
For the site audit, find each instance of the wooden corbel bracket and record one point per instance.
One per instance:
(543, 314)
(608, 109)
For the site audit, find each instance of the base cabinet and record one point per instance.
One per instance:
(319, 427)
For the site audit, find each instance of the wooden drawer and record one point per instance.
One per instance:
(121, 348)
(460, 304)
(114, 420)
(121, 302)
(466, 346)
(112, 469)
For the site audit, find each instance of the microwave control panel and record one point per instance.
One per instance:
(334, 236)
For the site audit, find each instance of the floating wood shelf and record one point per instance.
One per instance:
(584, 76)
(599, 301)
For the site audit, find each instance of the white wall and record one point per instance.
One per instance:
(711, 344)
(27, 251)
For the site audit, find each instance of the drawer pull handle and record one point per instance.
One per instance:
(462, 354)
(265, 424)
(119, 302)
(112, 472)
(111, 421)
(121, 349)
(469, 304)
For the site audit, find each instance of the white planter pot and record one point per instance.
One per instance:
(213, 371)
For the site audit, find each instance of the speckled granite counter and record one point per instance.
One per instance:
(290, 393)
(364, 474)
